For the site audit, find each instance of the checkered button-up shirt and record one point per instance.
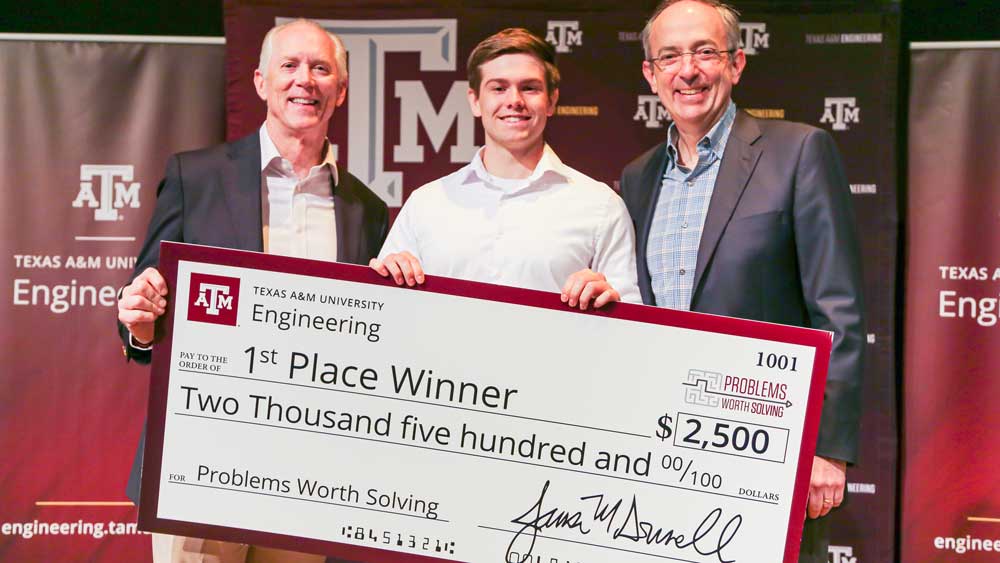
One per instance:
(675, 234)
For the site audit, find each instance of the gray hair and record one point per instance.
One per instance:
(730, 19)
(340, 53)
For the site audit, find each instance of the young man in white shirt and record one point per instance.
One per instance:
(516, 215)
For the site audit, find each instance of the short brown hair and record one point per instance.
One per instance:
(511, 41)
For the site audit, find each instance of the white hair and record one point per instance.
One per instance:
(339, 55)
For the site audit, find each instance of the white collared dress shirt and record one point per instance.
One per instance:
(533, 232)
(297, 213)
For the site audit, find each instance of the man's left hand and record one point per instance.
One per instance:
(826, 488)
(586, 285)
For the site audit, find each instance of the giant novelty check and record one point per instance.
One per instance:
(317, 407)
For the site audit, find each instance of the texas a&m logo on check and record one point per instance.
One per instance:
(213, 299)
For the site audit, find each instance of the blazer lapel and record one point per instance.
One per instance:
(241, 186)
(738, 163)
(347, 212)
(650, 183)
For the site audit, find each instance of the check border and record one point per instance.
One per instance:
(171, 253)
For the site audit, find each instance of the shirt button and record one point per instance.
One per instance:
(689, 184)
(684, 225)
(683, 271)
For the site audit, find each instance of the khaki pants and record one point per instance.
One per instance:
(178, 549)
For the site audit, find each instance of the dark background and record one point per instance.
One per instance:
(923, 20)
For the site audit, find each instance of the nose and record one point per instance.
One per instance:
(688, 68)
(303, 75)
(515, 98)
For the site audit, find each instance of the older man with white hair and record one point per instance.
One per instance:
(277, 190)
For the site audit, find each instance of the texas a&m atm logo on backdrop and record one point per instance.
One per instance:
(564, 35)
(368, 42)
(650, 111)
(754, 37)
(213, 299)
(107, 188)
(841, 112)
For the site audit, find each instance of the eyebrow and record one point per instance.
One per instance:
(303, 57)
(697, 45)
(507, 81)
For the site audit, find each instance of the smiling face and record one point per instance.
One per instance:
(513, 102)
(695, 94)
(301, 85)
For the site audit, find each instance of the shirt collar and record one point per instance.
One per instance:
(269, 152)
(548, 165)
(716, 139)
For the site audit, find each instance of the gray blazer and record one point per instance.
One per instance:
(778, 245)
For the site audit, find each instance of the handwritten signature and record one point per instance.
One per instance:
(604, 518)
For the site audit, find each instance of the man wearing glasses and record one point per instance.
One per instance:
(747, 218)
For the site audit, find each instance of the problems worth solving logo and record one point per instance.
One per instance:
(753, 36)
(840, 112)
(564, 34)
(702, 388)
(213, 299)
(736, 393)
(115, 186)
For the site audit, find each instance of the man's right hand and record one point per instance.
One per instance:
(141, 303)
(402, 266)
(582, 286)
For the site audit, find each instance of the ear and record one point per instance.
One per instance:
(341, 94)
(553, 100)
(474, 102)
(739, 63)
(258, 83)
(648, 72)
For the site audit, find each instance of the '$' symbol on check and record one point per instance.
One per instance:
(665, 423)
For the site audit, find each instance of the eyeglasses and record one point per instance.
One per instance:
(705, 55)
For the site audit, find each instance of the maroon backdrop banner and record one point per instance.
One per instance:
(85, 130)
(951, 495)
(406, 122)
